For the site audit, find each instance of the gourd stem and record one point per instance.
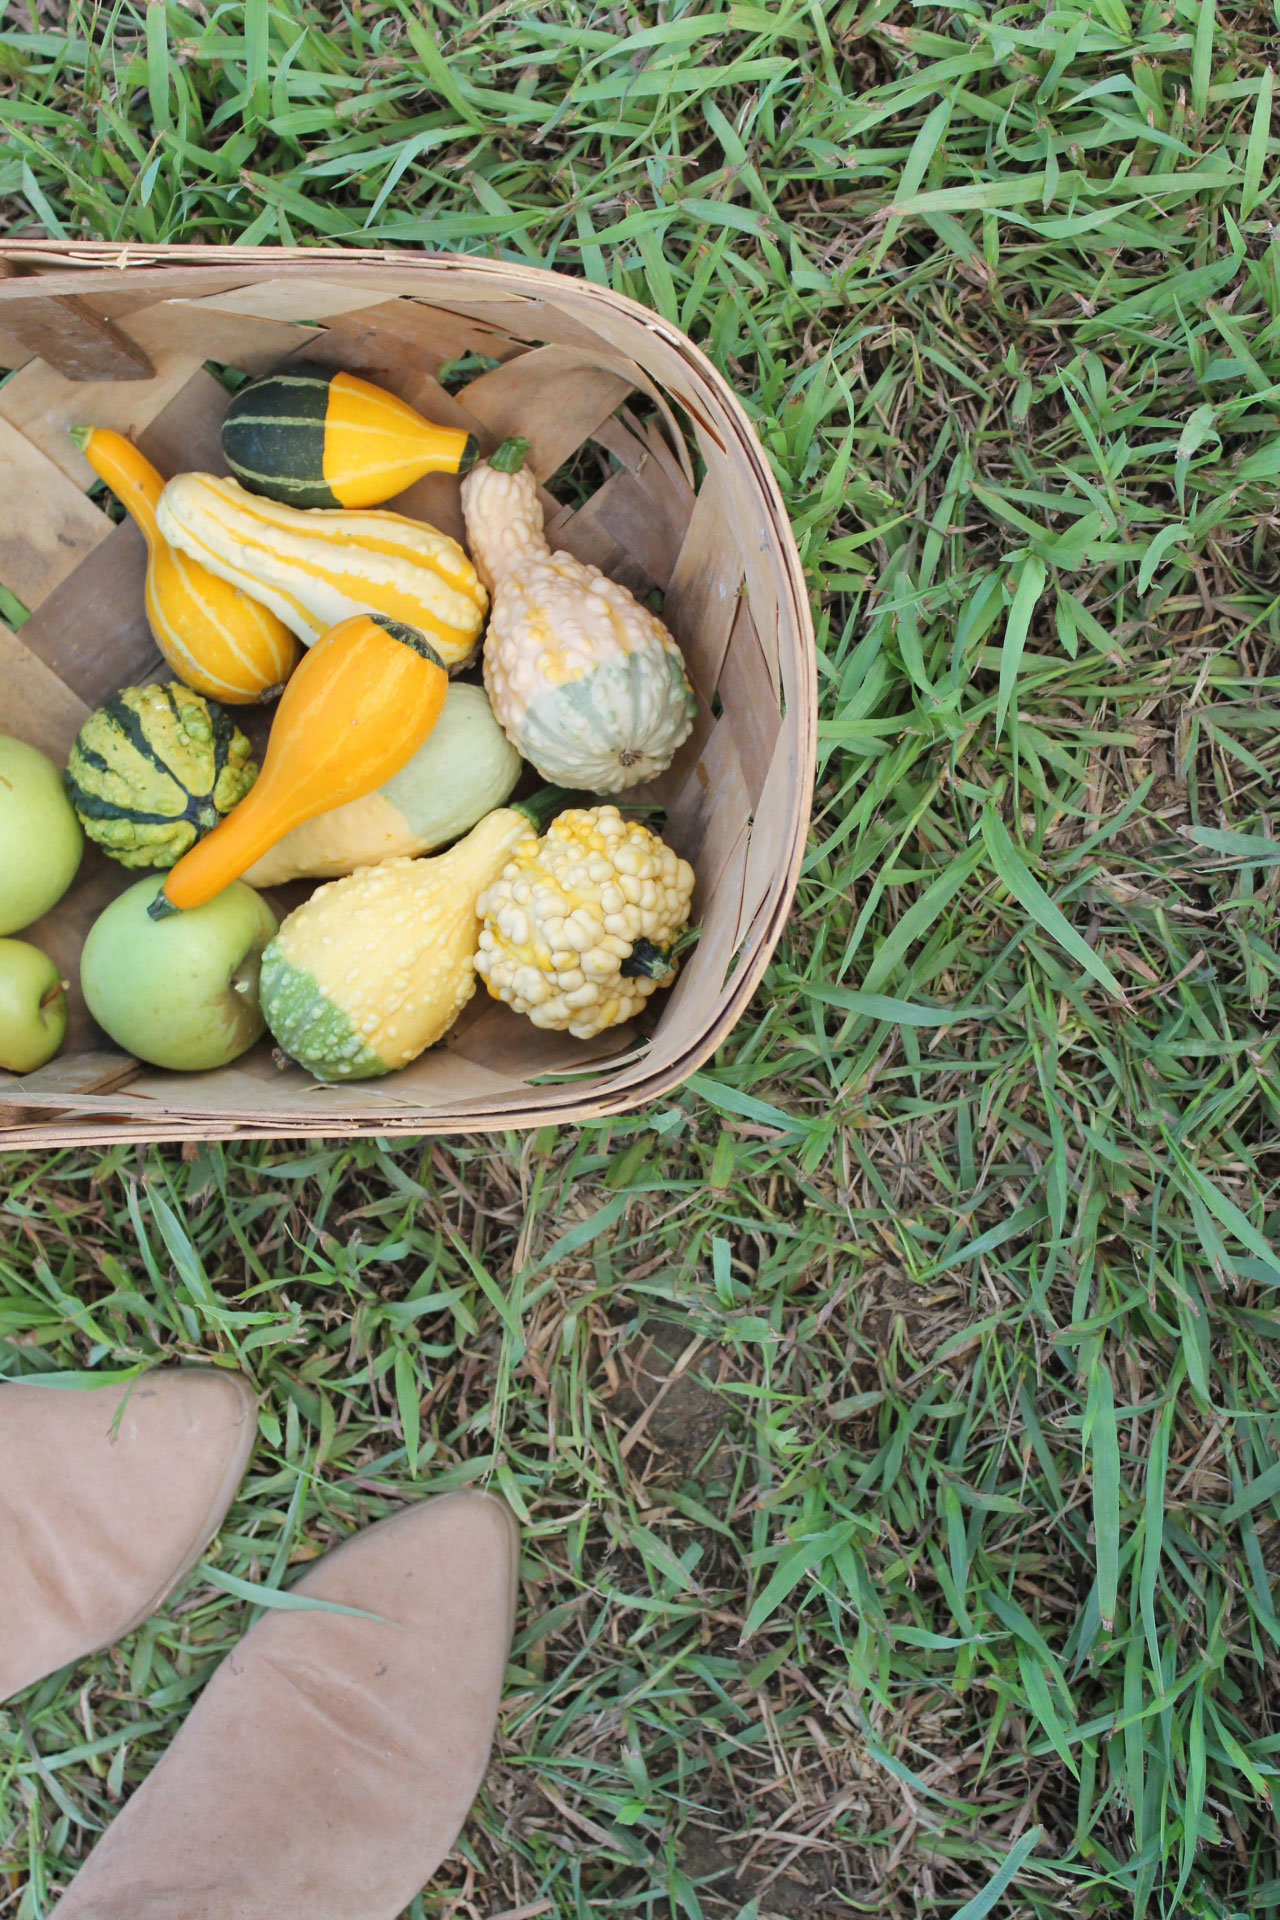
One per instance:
(129, 474)
(541, 808)
(408, 637)
(647, 962)
(509, 457)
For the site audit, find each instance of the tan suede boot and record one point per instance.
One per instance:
(329, 1764)
(107, 1499)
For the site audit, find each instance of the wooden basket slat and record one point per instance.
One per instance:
(118, 300)
(702, 598)
(755, 533)
(583, 537)
(13, 354)
(516, 1049)
(526, 319)
(187, 436)
(707, 816)
(83, 1075)
(644, 523)
(200, 331)
(102, 598)
(69, 333)
(402, 339)
(644, 452)
(638, 444)
(771, 839)
(43, 405)
(293, 299)
(47, 527)
(668, 366)
(179, 336)
(552, 396)
(659, 498)
(568, 358)
(118, 290)
(38, 706)
(749, 699)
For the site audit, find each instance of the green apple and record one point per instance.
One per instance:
(33, 1007)
(40, 837)
(183, 991)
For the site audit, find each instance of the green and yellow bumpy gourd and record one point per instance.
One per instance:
(154, 770)
(375, 968)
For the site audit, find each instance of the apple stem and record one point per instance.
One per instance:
(59, 986)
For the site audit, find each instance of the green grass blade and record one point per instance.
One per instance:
(1100, 1417)
(276, 1599)
(1153, 1531)
(1011, 870)
(982, 1903)
(1255, 156)
(1202, 58)
(1029, 579)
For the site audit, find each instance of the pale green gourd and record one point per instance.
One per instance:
(465, 769)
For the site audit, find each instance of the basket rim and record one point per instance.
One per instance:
(83, 262)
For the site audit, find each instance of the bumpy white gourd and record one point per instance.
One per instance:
(588, 685)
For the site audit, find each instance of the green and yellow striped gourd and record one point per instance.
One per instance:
(314, 438)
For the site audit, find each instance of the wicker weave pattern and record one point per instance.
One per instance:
(573, 368)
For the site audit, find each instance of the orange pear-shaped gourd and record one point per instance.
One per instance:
(356, 710)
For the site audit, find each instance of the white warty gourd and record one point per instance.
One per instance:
(587, 684)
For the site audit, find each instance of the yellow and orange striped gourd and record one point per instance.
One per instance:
(317, 566)
(218, 640)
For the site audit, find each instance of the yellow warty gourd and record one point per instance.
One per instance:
(315, 567)
(376, 967)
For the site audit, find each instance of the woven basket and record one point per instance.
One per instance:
(120, 337)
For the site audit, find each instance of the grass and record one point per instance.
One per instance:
(941, 1579)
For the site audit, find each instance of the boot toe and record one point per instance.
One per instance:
(360, 1729)
(108, 1499)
